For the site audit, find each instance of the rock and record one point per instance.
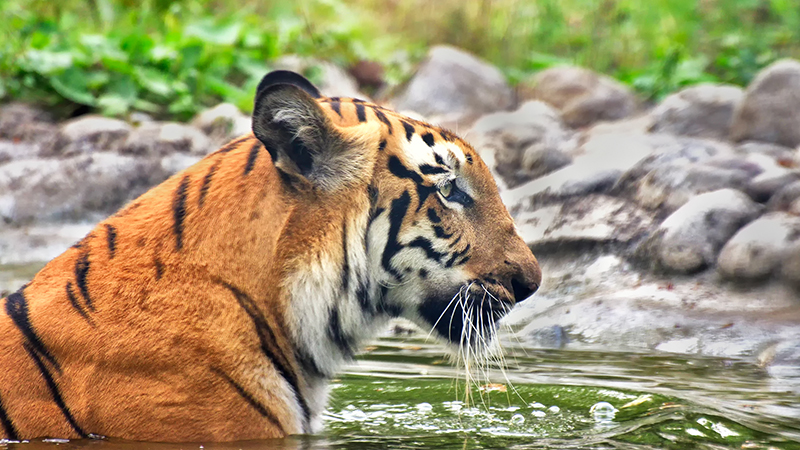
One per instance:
(222, 122)
(16, 118)
(11, 150)
(88, 134)
(522, 145)
(163, 138)
(554, 336)
(84, 187)
(689, 240)
(772, 178)
(777, 152)
(583, 97)
(790, 266)
(705, 110)
(787, 199)
(593, 219)
(330, 79)
(758, 249)
(368, 74)
(454, 88)
(597, 166)
(175, 162)
(770, 110)
(678, 169)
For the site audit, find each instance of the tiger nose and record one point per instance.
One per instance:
(526, 275)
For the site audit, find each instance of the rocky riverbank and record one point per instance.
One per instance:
(673, 227)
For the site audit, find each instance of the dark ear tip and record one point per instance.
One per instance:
(277, 77)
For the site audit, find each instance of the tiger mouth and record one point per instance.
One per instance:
(469, 316)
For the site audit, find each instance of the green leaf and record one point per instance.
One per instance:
(154, 81)
(113, 105)
(212, 33)
(71, 84)
(46, 62)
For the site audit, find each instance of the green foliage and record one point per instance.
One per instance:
(174, 57)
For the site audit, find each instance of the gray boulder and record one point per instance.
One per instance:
(583, 97)
(163, 138)
(593, 219)
(88, 134)
(770, 110)
(597, 165)
(222, 122)
(690, 239)
(454, 88)
(758, 249)
(787, 199)
(704, 110)
(772, 177)
(83, 187)
(778, 152)
(20, 121)
(522, 145)
(330, 79)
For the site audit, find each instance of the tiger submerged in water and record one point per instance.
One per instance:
(217, 305)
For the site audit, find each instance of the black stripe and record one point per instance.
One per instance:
(428, 169)
(76, 305)
(81, 272)
(362, 294)
(440, 233)
(251, 157)
(337, 335)
(382, 117)
(337, 107)
(357, 100)
(409, 129)
(439, 159)
(399, 170)
(159, 268)
(382, 145)
(469, 158)
(433, 217)
(111, 234)
(447, 135)
(428, 139)
(53, 387)
(206, 184)
(457, 255)
(234, 144)
(250, 399)
(396, 214)
(268, 344)
(453, 244)
(17, 310)
(8, 425)
(345, 261)
(360, 113)
(424, 244)
(179, 211)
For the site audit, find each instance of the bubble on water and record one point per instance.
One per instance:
(604, 413)
(538, 413)
(554, 409)
(424, 407)
(517, 418)
(537, 405)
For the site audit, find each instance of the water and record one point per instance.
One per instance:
(403, 395)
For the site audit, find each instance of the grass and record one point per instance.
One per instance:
(172, 58)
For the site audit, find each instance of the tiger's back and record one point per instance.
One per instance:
(217, 305)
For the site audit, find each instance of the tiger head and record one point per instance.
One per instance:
(427, 238)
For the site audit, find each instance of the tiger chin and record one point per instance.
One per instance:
(217, 305)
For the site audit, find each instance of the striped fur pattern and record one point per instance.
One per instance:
(217, 305)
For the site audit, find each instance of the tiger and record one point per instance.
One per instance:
(218, 305)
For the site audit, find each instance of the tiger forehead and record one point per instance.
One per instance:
(351, 111)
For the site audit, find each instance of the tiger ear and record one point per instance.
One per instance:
(301, 138)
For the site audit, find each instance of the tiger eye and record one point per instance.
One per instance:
(446, 189)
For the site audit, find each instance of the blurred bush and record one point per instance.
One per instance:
(172, 58)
